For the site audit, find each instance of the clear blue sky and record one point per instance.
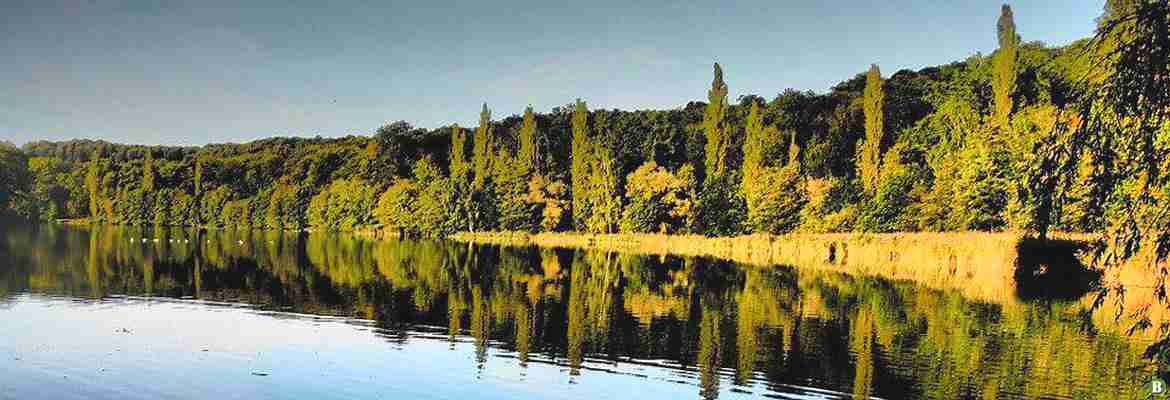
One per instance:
(195, 72)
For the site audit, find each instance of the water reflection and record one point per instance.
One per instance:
(734, 329)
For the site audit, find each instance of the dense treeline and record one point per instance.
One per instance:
(1029, 137)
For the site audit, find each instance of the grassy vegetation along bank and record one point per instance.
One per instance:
(982, 265)
(1002, 268)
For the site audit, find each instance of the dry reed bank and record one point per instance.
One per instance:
(1002, 268)
(981, 265)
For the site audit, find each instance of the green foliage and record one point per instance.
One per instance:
(422, 206)
(517, 213)
(551, 198)
(869, 154)
(605, 202)
(148, 172)
(1004, 75)
(14, 174)
(529, 156)
(773, 193)
(760, 143)
(715, 128)
(519, 210)
(776, 199)
(461, 169)
(831, 205)
(485, 148)
(720, 210)
(464, 205)
(396, 206)
(890, 209)
(212, 203)
(287, 206)
(344, 205)
(1120, 125)
(93, 178)
(433, 210)
(56, 190)
(582, 163)
(659, 201)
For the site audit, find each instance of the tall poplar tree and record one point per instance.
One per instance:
(198, 196)
(514, 172)
(198, 176)
(484, 148)
(461, 176)
(774, 194)
(605, 201)
(529, 157)
(755, 147)
(460, 168)
(148, 172)
(869, 157)
(1004, 63)
(582, 153)
(793, 152)
(93, 178)
(715, 128)
(720, 211)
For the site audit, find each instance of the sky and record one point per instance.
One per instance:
(212, 71)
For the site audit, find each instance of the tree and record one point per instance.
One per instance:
(1121, 123)
(774, 194)
(551, 198)
(461, 169)
(345, 204)
(396, 206)
(719, 209)
(659, 201)
(93, 178)
(869, 154)
(287, 207)
(198, 175)
(484, 148)
(715, 128)
(775, 205)
(14, 176)
(582, 163)
(148, 174)
(433, 213)
(511, 191)
(1004, 69)
(604, 199)
(529, 156)
(518, 209)
(753, 147)
(461, 178)
(761, 141)
(146, 194)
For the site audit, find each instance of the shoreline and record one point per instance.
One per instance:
(981, 265)
(1004, 268)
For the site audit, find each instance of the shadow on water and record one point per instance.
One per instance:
(1052, 270)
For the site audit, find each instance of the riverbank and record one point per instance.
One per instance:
(979, 264)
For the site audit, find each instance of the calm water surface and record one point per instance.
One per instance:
(99, 313)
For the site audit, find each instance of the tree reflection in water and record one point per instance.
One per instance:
(738, 328)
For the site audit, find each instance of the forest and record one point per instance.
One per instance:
(1032, 137)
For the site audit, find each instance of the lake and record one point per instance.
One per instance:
(131, 313)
